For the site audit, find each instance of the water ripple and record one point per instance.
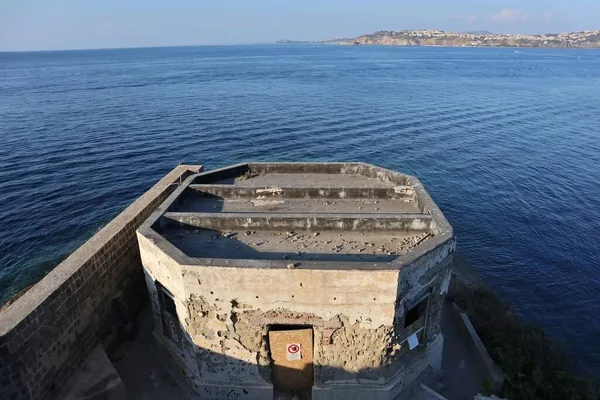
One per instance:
(508, 146)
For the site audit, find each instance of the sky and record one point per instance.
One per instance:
(91, 24)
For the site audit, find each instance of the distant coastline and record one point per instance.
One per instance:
(429, 37)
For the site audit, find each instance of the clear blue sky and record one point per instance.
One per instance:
(77, 24)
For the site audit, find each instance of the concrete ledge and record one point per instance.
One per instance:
(335, 221)
(475, 345)
(430, 394)
(357, 168)
(229, 191)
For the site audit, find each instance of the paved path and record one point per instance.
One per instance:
(462, 377)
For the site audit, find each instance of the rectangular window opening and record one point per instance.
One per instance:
(168, 313)
(417, 311)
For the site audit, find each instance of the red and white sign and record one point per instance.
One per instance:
(293, 351)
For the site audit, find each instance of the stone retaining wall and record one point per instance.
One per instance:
(50, 330)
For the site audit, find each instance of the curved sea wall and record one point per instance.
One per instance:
(47, 333)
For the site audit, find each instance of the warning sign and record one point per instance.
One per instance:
(293, 351)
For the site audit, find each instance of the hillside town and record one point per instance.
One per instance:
(429, 37)
(432, 37)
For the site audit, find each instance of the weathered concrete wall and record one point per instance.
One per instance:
(257, 220)
(48, 332)
(357, 317)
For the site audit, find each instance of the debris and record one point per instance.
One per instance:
(266, 203)
(272, 191)
(404, 190)
(291, 265)
(248, 175)
(316, 234)
(422, 239)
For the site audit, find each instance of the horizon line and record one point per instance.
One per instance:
(273, 41)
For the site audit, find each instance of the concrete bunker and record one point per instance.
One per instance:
(347, 262)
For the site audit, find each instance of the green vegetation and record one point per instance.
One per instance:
(534, 366)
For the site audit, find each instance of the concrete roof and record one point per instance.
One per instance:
(312, 215)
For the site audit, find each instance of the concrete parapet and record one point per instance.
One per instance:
(47, 333)
(480, 353)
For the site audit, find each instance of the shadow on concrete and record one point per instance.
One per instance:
(149, 373)
(198, 202)
(463, 378)
(206, 243)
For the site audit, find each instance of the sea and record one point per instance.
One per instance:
(507, 143)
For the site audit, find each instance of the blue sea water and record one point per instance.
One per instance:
(508, 145)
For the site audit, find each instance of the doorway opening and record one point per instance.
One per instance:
(291, 350)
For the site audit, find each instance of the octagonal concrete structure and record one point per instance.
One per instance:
(346, 262)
